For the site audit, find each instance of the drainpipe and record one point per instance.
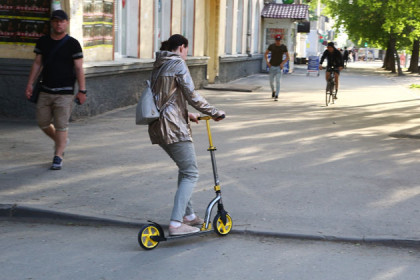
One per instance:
(248, 37)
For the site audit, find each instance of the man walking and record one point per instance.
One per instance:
(276, 63)
(61, 57)
(345, 56)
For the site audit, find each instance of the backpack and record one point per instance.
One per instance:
(146, 110)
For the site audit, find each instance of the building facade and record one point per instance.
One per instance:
(120, 38)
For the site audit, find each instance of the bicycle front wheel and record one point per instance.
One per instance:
(328, 94)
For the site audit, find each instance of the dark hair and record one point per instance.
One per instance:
(174, 42)
(330, 44)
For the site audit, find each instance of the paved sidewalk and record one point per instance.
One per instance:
(292, 168)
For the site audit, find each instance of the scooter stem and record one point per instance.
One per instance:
(207, 119)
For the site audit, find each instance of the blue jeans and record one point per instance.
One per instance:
(183, 154)
(277, 72)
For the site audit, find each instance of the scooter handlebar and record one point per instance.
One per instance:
(209, 118)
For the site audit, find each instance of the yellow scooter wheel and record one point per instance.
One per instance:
(145, 237)
(220, 227)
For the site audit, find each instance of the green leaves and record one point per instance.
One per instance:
(374, 20)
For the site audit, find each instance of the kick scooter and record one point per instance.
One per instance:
(151, 234)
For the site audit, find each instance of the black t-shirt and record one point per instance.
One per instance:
(277, 54)
(346, 55)
(334, 59)
(59, 75)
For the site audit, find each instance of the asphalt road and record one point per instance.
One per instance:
(46, 251)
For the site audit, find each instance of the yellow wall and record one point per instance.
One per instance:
(199, 32)
(146, 28)
(176, 17)
(98, 53)
(212, 33)
(17, 51)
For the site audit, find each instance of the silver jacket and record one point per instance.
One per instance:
(173, 88)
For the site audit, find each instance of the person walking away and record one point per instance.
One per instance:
(55, 100)
(173, 90)
(351, 55)
(345, 56)
(334, 59)
(276, 64)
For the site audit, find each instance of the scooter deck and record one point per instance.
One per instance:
(171, 237)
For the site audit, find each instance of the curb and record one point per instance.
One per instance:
(14, 211)
(390, 242)
(232, 87)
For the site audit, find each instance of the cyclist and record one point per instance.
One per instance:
(335, 59)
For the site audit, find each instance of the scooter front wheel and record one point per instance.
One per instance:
(220, 227)
(145, 237)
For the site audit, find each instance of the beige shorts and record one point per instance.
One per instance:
(54, 109)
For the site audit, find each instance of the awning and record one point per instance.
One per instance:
(291, 11)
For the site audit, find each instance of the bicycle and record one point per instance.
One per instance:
(330, 92)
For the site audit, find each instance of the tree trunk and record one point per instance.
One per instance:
(414, 63)
(391, 63)
(400, 73)
(388, 56)
(385, 59)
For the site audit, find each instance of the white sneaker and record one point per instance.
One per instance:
(182, 230)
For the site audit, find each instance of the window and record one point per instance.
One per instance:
(120, 47)
(126, 29)
(162, 29)
(188, 23)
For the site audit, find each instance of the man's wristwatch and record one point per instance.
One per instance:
(83, 91)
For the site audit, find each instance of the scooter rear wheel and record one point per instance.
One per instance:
(145, 237)
(220, 227)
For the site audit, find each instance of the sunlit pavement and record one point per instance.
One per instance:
(297, 167)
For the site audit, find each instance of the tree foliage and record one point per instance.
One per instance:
(381, 23)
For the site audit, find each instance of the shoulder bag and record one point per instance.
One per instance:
(147, 111)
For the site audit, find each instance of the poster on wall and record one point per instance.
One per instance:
(88, 35)
(7, 8)
(108, 34)
(24, 21)
(98, 11)
(7, 29)
(98, 16)
(29, 30)
(88, 11)
(35, 8)
(271, 34)
(108, 11)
